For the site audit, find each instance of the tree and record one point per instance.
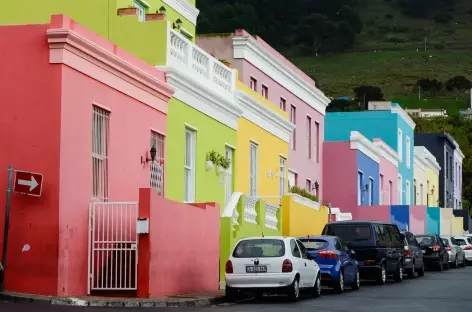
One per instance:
(343, 105)
(431, 86)
(365, 94)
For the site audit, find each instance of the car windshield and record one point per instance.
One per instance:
(460, 242)
(260, 248)
(314, 244)
(425, 240)
(349, 232)
(445, 241)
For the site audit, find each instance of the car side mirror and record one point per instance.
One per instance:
(311, 256)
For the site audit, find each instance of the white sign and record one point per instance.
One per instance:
(380, 105)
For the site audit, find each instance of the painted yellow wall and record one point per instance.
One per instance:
(420, 178)
(272, 106)
(457, 226)
(300, 220)
(446, 221)
(433, 179)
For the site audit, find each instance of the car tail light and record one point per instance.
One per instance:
(406, 252)
(229, 267)
(467, 248)
(328, 254)
(287, 266)
(449, 248)
(436, 248)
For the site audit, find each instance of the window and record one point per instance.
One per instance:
(447, 165)
(308, 136)
(253, 169)
(421, 194)
(189, 166)
(229, 174)
(371, 191)
(381, 196)
(283, 105)
(303, 250)
(292, 179)
(400, 190)
(460, 177)
(414, 192)
(427, 193)
(293, 111)
(407, 147)
(283, 180)
(265, 91)
(456, 175)
(253, 84)
(260, 248)
(383, 239)
(450, 168)
(407, 192)
(353, 233)
(157, 167)
(308, 185)
(100, 137)
(294, 249)
(317, 142)
(359, 187)
(400, 145)
(141, 10)
(390, 192)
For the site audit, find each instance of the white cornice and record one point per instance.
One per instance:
(387, 152)
(429, 159)
(263, 117)
(458, 151)
(404, 115)
(249, 49)
(203, 99)
(305, 201)
(420, 161)
(362, 144)
(184, 8)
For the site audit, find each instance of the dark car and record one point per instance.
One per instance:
(378, 246)
(434, 251)
(413, 254)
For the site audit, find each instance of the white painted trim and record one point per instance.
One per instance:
(283, 156)
(362, 144)
(429, 158)
(387, 152)
(458, 150)
(254, 141)
(408, 151)
(305, 201)
(420, 161)
(230, 146)
(231, 205)
(186, 33)
(264, 117)
(202, 98)
(404, 115)
(144, 3)
(184, 8)
(400, 144)
(189, 126)
(292, 171)
(249, 49)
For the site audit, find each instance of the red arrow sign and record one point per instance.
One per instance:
(28, 183)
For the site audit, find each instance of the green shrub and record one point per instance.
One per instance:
(303, 192)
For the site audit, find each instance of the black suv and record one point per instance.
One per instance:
(434, 251)
(413, 255)
(378, 246)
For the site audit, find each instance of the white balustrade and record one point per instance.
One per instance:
(271, 220)
(235, 217)
(188, 56)
(250, 213)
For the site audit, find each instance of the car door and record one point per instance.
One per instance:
(346, 259)
(415, 249)
(310, 265)
(457, 249)
(298, 262)
(396, 247)
(442, 249)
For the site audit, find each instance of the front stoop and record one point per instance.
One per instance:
(168, 302)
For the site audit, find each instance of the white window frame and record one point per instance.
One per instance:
(283, 178)
(400, 190)
(360, 188)
(253, 168)
(390, 192)
(421, 194)
(400, 144)
(229, 187)
(308, 185)
(291, 174)
(265, 91)
(283, 104)
(293, 120)
(408, 151)
(407, 192)
(371, 191)
(309, 122)
(253, 83)
(100, 149)
(157, 167)
(316, 141)
(381, 188)
(142, 10)
(190, 185)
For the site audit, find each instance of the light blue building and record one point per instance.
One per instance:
(385, 121)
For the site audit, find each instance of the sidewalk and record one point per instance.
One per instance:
(182, 301)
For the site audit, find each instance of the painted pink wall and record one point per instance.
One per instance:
(184, 247)
(340, 175)
(417, 219)
(372, 213)
(390, 173)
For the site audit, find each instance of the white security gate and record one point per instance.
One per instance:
(113, 246)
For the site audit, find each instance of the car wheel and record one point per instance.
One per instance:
(440, 266)
(317, 287)
(456, 264)
(421, 271)
(412, 271)
(340, 285)
(231, 294)
(382, 275)
(446, 265)
(398, 277)
(294, 290)
(357, 283)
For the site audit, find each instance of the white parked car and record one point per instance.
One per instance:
(465, 242)
(259, 265)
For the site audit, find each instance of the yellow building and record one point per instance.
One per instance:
(420, 182)
(432, 169)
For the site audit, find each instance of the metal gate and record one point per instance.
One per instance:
(113, 246)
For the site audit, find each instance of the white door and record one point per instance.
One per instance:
(229, 174)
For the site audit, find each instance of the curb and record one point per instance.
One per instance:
(175, 303)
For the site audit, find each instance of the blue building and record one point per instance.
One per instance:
(385, 121)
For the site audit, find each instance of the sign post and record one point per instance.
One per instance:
(6, 227)
(28, 183)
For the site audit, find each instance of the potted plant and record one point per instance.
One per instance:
(223, 164)
(211, 160)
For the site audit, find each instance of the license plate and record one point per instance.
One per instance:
(256, 269)
(423, 251)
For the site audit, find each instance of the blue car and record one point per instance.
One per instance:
(337, 263)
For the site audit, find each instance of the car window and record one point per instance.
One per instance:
(469, 240)
(445, 241)
(425, 240)
(337, 245)
(411, 240)
(343, 246)
(314, 244)
(461, 242)
(294, 249)
(260, 248)
(395, 236)
(302, 250)
(440, 242)
(453, 241)
(382, 238)
(349, 232)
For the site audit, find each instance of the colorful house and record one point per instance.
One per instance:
(432, 169)
(388, 122)
(270, 74)
(420, 183)
(356, 181)
(458, 158)
(86, 116)
(388, 173)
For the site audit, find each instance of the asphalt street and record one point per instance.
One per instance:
(436, 291)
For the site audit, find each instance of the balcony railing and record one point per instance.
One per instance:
(185, 55)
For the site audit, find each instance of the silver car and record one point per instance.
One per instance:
(456, 254)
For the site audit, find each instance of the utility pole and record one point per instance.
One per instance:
(425, 37)
(419, 91)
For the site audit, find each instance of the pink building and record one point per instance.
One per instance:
(266, 71)
(82, 112)
(388, 173)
